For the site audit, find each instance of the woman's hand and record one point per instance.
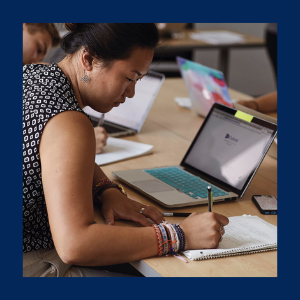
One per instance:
(101, 137)
(116, 206)
(203, 230)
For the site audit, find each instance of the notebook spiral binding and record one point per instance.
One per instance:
(239, 252)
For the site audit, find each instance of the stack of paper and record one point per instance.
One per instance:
(218, 37)
(117, 149)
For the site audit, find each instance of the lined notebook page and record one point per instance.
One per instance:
(244, 234)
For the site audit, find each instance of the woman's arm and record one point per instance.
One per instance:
(266, 103)
(67, 152)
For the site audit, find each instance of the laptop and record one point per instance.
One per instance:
(205, 86)
(225, 154)
(129, 117)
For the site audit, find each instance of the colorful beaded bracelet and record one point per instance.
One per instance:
(171, 234)
(159, 240)
(165, 238)
(176, 239)
(181, 237)
(170, 238)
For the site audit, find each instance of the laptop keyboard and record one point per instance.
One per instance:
(187, 183)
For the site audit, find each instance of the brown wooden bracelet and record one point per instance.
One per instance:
(108, 186)
(111, 185)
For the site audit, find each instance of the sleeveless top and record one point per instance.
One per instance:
(46, 93)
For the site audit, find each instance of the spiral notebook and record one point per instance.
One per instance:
(243, 235)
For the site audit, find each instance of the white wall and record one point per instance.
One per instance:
(250, 70)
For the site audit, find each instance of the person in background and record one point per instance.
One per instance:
(265, 104)
(61, 181)
(38, 38)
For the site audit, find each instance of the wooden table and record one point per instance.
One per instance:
(185, 43)
(171, 129)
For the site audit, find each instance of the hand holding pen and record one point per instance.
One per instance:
(209, 227)
(202, 227)
(203, 230)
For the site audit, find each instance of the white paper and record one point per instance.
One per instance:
(183, 102)
(218, 37)
(117, 149)
(243, 233)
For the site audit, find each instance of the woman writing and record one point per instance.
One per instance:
(60, 177)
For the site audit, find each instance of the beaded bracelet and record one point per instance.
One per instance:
(170, 238)
(103, 185)
(181, 237)
(100, 184)
(176, 244)
(165, 238)
(159, 240)
(171, 234)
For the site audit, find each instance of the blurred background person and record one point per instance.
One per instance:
(265, 104)
(38, 38)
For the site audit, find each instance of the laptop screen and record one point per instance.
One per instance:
(230, 149)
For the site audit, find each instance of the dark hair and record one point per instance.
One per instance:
(109, 41)
(49, 27)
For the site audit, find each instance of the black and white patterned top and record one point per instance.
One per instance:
(46, 93)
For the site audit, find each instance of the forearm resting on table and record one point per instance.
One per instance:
(99, 244)
(265, 104)
(268, 102)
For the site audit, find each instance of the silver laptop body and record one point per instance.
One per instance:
(226, 153)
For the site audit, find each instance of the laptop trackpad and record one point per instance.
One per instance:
(152, 186)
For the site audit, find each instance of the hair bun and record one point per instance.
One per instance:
(71, 26)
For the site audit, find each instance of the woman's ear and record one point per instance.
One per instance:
(87, 60)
